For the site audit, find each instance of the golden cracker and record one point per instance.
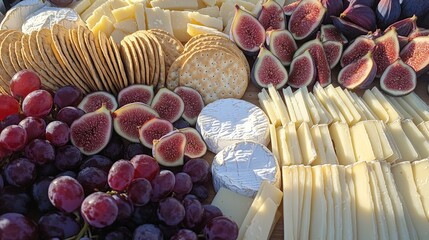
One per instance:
(150, 54)
(13, 58)
(95, 78)
(173, 75)
(117, 56)
(133, 43)
(134, 58)
(18, 54)
(142, 48)
(101, 44)
(10, 38)
(170, 45)
(197, 37)
(161, 62)
(128, 62)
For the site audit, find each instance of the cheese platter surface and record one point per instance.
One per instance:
(214, 119)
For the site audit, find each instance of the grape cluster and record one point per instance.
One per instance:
(121, 193)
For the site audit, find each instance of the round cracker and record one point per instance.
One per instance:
(150, 54)
(127, 59)
(18, 54)
(172, 80)
(170, 45)
(159, 80)
(9, 38)
(119, 61)
(195, 38)
(12, 57)
(76, 52)
(102, 45)
(144, 59)
(95, 77)
(133, 42)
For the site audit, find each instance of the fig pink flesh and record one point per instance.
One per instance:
(305, 19)
(135, 95)
(272, 16)
(195, 146)
(167, 106)
(333, 53)
(399, 79)
(248, 33)
(357, 51)
(283, 47)
(322, 66)
(302, 72)
(271, 71)
(415, 54)
(95, 101)
(170, 149)
(355, 74)
(131, 119)
(386, 51)
(288, 9)
(329, 33)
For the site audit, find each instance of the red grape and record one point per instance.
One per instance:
(13, 137)
(145, 166)
(183, 183)
(99, 209)
(14, 199)
(34, 126)
(135, 149)
(24, 82)
(40, 151)
(98, 161)
(193, 211)
(221, 228)
(20, 172)
(66, 193)
(171, 211)
(197, 168)
(40, 195)
(58, 133)
(38, 103)
(147, 231)
(139, 191)
(69, 114)
(120, 175)
(17, 226)
(125, 206)
(58, 225)
(8, 106)
(67, 96)
(12, 119)
(4, 152)
(92, 179)
(162, 185)
(68, 157)
(183, 234)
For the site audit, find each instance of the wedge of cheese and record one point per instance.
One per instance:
(194, 30)
(232, 204)
(321, 95)
(319, 206)
(316, 136)
(416, 137)
(260, 226)
(159, 18)
(362, 143)
(347, 222)
(311, 107)
(330, 211)
(401, 111)
(293, 144)
(418, 104)
(340, 134)
(376, 106)
(380, 216)
(284, 151)
(104, 25)
(212, 11)
(391, 111)
(357, 106)
(118, 3)
(295, 116)
(123, 13)
(103, 10)
(335, 98)
(352, 108)
(174, 4)
(421, 178)
(280, 106)
(308, 150)
(179, 24)
(304, 229)
(381, 127)
(269, 108)
(88, 12)
(338, 201)
(325, 117)
(369, 114)
(331, 157)
(288, 204)
(274, 143)
(299, 97)
(423, 127)
(127, 26)
(410, 110)
(80, 6)
(353, 206)
(296, 198)
(406, 148)
(140, 14)
(205, 20)
(374, 138)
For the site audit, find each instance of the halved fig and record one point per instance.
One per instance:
(135, 93)
(154, 129)
(272, 15)
(127, 119)
(92, 132)
(386, 50)
(360, 15)
(302, 71)
(357, 49)
(398, 79)
(349, 29)
(95, 100)
(333, 51)
(282, 45)
(169, 150)
(246, 31)
(168, 104)
(193, 103)
(416, 53)
(405, 26)
(329, 32)
(268, 69)
(306, 18)
(289, 8)
(387, 12)
(418, 32)
(323, 71)
(195, 145)
(358, 74)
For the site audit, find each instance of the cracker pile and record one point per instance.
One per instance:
(77, 57)
(213, 65)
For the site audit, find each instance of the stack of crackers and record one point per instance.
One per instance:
(90, 62)
(213, 65)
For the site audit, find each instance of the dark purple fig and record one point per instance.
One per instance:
(288, 9)
(423, 21)
(386, 50)
(92, 132)
(168, 104)
(268, 69)
(272, 15)
(398, 79)
(246, 31)
(195, 145)
(357, 49)
(360, 15)
(358, 74)
(302, 70)
(306, 19)
(403, 41)
(323, 71)
(333, 51)
(334, 8)
(387, 12)
(329, 32)
(405, 26)
(418, 32)
(349, 29)
(135, 93)
(369, 3)
(409, 8)
(193, 103)
(416, 53)
(154, 129)
(169, 150)
(282, 45)
(95, 100)
(127, 119)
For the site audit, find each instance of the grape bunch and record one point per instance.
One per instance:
(120, 193)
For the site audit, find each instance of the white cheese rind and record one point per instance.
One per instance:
(228, 121)
(16, 16)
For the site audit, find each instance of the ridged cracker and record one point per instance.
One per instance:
(102, 44)
(119, 61)
(8, 39)
(172, 47)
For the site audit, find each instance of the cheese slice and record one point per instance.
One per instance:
(418, 104)
(406, 148)
(284, 151)
(424, 129)
(333, 95)
(293, 144)
(319, 206)
(327, 103)
(330, 212)
(316, 136)
(212, 11)
(342, 140)
(369, 114)
(311, 107)
(158, 18)
(288, 204)
(421, 178)
(357, 106)
(288, 96)
(410, 110)
(118, 35)
(80, 5)
(94, 5)
(274, 143)
(352, 192)
(373, 134)
(306, 205)
(194, 30)
(308, 150)
(123, 13)
(365, 217)
(388, 150)
(381, 218)
(140, 16)
(331, 157)
(267, 105)
(376, 106)
(118, 3)
(104, 25)
(401, 111)
(226, 12)
(355, 113)
(417, 139)
(396, 153)
(361, 143)
(391, 111)
(103, 10)
(260, 227)
(279, 105)
(338, 201)
(347, 222)
(126, 26)
(296, 198)
(232, 205)
(205, 20)
(325, 117)
(404, 179)
(174, 4)
(302, 107)
(179, 23)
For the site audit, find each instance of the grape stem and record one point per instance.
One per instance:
(82, 231)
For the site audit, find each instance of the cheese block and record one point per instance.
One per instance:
(316, 136)
(47, 17)
(118, 35)
(308, 150)
(212, 11)
(123, 13)
(381, 126)
(336, 99)
(94, 5)
(325, 117)
(205, 20)
(374, 138)
(401, 111)
(159, 18)
(302, 107)
(284, 150)
(417, 139)
(127, 26)
(406, 148)
(421, 178)
(232, 204)
(319, 206)
(179, 24)
(365, 218)
(243, 121)
(296, 198)
(341, 138)
(17, 15)
(227, 9)
(347, 222)
(321, 95)
(241, 167)
(194, 30)
(174, 4)
(352, 192)
(288, 204)
(389, 153)
(330, 211)
(260, 227)
(369, 114)
(357, 106)
(304, 229)
(104, 25)
(376, 106)
(140, 16)
(80, 5)
(311, 107)
(391, 111)
(404, 179)
(361, 143)
(295, 116)
(103, 10)
(331, 157)
(418, 104)
(423, 127)
(280, 106)
(293, 144)
(346, 101)
(118, 3)
(410, 110)
(274, 143)
(380, 216)
(269, 108)
(337, 200)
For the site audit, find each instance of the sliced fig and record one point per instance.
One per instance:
(282, 45)
(334, 8)
(154, 129)
(398, 79)
(95, 100)
(360, 73)
(329, 32)
(246, 31)
(306, 19)
(386, 50)
(403, 41)
(289, 8)
(418, 32)
(169, 150)
(127, 119)
(272, 15)
(323, 71)
(135, 93)
(416, 53)
(92, 132)
(195, 145)
(360, 15)
(168, 104)
(349, 29)
(388, 12)
(193, 103)
(357, 49)
(302, 70)
(268, 69)
(333, 51)
(405, 26)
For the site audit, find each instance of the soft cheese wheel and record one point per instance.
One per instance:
(228, 121)
(241, 168)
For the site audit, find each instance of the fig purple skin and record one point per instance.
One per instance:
(386, 50)
(359, 74)
(268, 69)
(405, 26)
(357, 49)
(306, 19)
(302, 71)
(399, 79)
(282, 45)
(272, 15)
(418, 32)
(387, 12)
(414, 7)
(334, 8)
(369, 3)
(329, 32)
(361, 15)
(193, 101)
(349, 29)
(415, 54)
